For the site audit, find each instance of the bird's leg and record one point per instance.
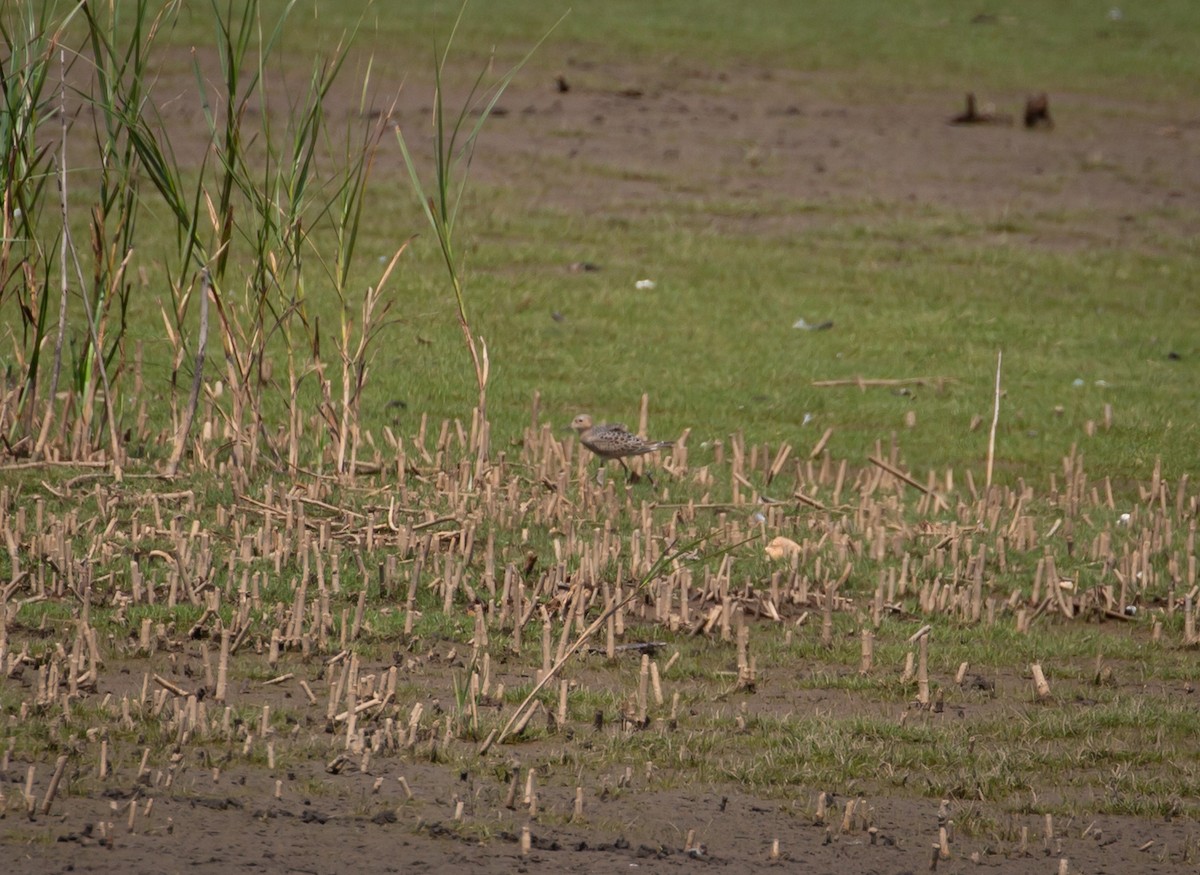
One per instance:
(630, 476)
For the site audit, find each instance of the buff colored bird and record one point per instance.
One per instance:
(613, 440)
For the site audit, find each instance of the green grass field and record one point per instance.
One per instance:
(914, 291)
(938, 43)
(429, 586)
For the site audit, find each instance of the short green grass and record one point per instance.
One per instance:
(912, 292)
(1021, 44)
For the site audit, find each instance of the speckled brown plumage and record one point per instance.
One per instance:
(613, 440)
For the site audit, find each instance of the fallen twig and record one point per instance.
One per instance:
(896, 472)
(863, 383)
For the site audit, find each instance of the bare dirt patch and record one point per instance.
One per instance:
(325, 820)
(756, 150)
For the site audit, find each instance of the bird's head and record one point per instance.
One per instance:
(581, 423)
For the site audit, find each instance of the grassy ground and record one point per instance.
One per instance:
(914, 290)
(1074, 45)
(114, 577)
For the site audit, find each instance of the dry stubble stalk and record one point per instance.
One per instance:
(185, 426)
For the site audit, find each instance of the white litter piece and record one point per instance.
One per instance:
(804, 325)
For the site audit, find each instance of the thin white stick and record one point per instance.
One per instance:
(995, 420)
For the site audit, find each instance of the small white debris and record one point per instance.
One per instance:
(1124, 519)
(1078, 383)
(645, 284)
(808, 417)
(1102, 383)
(804, 325)
(1115, 14)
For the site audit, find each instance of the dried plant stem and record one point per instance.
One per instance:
(900, 475)
(991, 456)
(863, 383)
(611, 610)
(92, 317)
(923, 671)
(189, 415)
(1040, 685)
(60, 336)
(59, 768)
(558, 666)
(868, 652)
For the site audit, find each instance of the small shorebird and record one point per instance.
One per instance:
(613, 440)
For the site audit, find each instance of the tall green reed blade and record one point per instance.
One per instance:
(347, 205)
(185, 208)
(204, 226)
(454, 147)
(121, 43)
(233, 44)
(267, 193)
(29, 35)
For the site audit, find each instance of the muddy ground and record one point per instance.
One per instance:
(626, 141)
(716, 143)
(312, 813)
